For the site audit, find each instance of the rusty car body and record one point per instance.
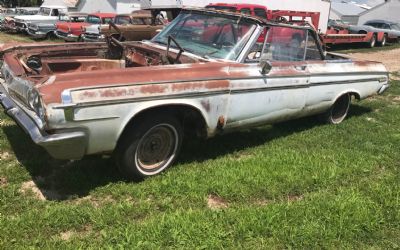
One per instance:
(137, 26)
(205, 74)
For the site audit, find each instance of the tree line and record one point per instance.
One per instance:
(20, 3)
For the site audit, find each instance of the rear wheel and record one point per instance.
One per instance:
(338, 112)
(384, 40)
(149, 147)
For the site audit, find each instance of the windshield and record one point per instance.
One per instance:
(44, 11)
(93, 20)
(208, 35)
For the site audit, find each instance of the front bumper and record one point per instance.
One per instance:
(63, 145)
(66, 36)
(92, 38)
(36, 34)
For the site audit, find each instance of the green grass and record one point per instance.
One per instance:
(21, 38)
(299, 184)
(360, 48)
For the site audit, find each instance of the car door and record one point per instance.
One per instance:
(275, 86)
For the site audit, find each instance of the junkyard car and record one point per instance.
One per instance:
(7, 22)
(139, 25)
(48, 29)
(69, 27)
(390, 29)
(91, 32)
(46, 14)
(203, 74)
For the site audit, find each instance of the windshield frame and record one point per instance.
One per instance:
(235, 53)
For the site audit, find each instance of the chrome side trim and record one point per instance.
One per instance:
(70, 105)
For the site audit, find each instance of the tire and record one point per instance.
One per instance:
(372, 42)
(149, 147)
(383, 42)
(339, 110)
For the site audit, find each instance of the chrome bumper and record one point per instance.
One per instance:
(383, 88)
(63, 145)
(68, 38)
(36, 34)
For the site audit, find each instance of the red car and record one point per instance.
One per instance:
(284, 35)
(72, 28)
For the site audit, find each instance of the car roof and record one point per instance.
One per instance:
(76, 14)
(53, 6)
(255, 19)
(380, 21)
(102, 15)
(239, 5)
(138, 14)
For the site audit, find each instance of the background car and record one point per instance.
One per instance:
(391, 30)
(69, 27)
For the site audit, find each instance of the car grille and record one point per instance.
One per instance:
(32, 31)
(20, 25)
(92, 36)
(60, 33)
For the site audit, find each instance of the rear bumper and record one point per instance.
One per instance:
(383, 88)
(67, 37)
(62, 145)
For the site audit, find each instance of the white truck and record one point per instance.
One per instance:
(321, 6)
(47, 14)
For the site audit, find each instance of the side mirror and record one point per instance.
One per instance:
(266, 67)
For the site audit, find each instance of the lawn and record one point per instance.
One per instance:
(298, 184)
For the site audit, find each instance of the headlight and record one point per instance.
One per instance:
(102, 36)
(35, 103)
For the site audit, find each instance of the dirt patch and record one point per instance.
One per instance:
(66, 236)
(30, 187)
(215, 202)
(390, 58)
(3, 181)
(5, 155)
(294, 198)
(96, 201)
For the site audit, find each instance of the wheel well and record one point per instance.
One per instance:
(362, 32)
(355, 95)
(190, 117)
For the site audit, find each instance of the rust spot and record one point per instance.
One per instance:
(221, 122)
(152, 89)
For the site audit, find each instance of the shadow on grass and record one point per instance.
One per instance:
(62, 180)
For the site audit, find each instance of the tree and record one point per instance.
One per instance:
(20, 3)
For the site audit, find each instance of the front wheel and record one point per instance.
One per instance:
(372, 42)
(149, 147)
(338, 112)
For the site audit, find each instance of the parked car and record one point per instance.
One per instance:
(47, 14)
(391, 30)
(337, 24)
(69, 27)
(137, 26)
(7, 18)
(91, 32)
(136, 100)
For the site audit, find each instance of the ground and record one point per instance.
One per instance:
(298, 184)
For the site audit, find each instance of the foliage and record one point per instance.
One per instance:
(20, 3)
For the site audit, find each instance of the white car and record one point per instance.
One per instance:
(208, 72)
(47, 14)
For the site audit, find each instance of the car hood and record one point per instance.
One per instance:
(35, 18)
(93, 29)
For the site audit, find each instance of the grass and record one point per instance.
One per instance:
(360, 48)
(21, 38)
(299, 184)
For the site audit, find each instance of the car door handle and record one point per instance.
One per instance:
(302, 68)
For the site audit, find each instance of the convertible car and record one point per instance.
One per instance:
(204, 74)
